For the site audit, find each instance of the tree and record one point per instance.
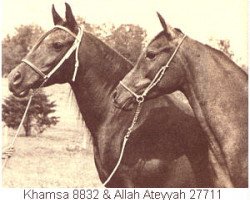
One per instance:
(222, 45)
(128, 40)
(38, 115)
(225, 47)
(14, 48)
(97, 30)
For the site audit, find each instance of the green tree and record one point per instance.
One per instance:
(38, 116)
(14, 48)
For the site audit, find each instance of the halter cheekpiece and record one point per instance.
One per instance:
(74, 47)
(140, 97)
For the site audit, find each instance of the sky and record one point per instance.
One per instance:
(199, 19)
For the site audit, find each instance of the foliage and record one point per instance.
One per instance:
(97, 30)
(127, 39)
(14, 48)
(223, 45)
(38, 115)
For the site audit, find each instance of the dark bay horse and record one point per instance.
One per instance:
(167, 131)
(215, 87)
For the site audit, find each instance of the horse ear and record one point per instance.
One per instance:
(70, 19)
(56, 17)
(167, 29)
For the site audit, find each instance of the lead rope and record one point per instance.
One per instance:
(125, 139)
(140, 100)
(75, 46)
(11, 146)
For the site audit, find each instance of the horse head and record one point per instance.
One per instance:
(40, 63)
(150, 67)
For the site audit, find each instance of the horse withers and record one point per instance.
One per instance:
(215, 87)
(156, 153)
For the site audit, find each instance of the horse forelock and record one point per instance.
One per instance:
(162, 33)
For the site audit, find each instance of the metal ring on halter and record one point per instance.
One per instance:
(140, 98)
(156, 79)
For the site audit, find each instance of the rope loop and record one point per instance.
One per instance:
(140, 99)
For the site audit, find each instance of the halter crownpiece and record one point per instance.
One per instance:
(157, 78)
(74, 47)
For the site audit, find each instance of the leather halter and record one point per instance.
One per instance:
(74, 47)
(157, 78)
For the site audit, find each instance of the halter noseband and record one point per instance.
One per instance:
(74, 47)
(157, 78)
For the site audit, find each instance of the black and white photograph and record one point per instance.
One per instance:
(124, 94)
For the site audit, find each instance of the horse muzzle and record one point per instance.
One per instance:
(122, 101)
(19, 84)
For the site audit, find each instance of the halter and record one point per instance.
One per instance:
(45, 77)
(74, 47)
(157, 78)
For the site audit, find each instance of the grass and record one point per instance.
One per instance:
(52, 159)
(56, 158)
(59, 157)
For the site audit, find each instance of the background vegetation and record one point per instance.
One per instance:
(61, 156)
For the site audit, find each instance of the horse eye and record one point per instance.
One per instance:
(57, 45)
(150, 55)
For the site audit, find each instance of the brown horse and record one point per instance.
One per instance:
(215, 87)
(147, 162)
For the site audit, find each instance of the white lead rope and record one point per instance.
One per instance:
(140, 100)
(18, 130)
(45, 77)
(126, 137)
(11, 146)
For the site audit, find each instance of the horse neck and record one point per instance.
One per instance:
(211, 75)
(99, 72)
(217, 91)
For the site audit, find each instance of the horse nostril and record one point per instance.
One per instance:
(17, 79)
(114, 94)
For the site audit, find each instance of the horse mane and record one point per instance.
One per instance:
(109, 52)
(221, 54)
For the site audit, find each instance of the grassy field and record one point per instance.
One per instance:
(59, 157)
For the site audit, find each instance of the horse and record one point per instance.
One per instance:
(146, 162)
(215, 87)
